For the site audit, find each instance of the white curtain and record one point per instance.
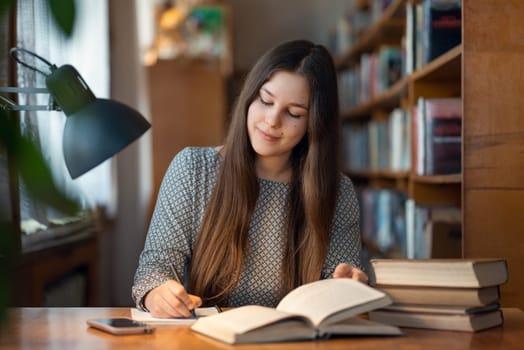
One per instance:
(88, 51)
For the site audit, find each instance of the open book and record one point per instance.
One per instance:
(315, 310)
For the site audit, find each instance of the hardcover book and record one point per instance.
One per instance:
(463, 273)
(315, 310)
(443, 136)
(442, 27)
(470, 297)
(467, 322)
(442, 309)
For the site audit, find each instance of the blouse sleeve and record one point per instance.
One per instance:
(171, 231)
(345, 240)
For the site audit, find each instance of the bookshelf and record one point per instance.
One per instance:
(486, 71)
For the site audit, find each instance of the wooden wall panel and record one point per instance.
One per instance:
(188, 107)
(497, 230)
(493, 136)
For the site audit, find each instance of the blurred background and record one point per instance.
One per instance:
(181, 64)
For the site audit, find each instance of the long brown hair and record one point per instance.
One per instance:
(223, 238)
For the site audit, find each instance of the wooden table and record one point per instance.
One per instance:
(65, 328)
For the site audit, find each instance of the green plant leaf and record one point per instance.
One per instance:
(5, 5)
(32, 168)
(30, 163)
(64, 12)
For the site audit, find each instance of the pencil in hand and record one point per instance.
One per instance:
(179, 280)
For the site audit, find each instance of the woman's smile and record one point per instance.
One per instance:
(267, 135)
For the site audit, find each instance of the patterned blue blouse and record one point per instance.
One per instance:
(183, 196)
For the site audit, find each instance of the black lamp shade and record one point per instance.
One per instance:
(97, 132)
(95, 129)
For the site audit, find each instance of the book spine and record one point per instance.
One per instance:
(383, 219)
(443, 140)
(442, 27)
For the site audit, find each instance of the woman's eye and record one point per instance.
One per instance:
(264, 102)
(294, 115)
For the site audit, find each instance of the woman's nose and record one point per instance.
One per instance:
(273, 117)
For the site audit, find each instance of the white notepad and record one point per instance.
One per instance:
(146, 317)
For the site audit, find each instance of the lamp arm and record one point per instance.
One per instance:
(8, 104)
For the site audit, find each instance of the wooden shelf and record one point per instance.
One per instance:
(440, 77)
(435, 193)
(388, 100)
(445, 67)
(435, 189)
(379, 174)
(387, 29)
(437, 179)
(381, 179)
(486, 71)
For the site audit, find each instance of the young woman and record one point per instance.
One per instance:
(269, 210)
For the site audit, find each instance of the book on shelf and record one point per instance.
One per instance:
(381, 144)
(348, 89)
(433, 27)
(418, 15)
(378, 72)
(465, 322)
(446, 296)
(367, 69)
(433, 231)
(348, 28)
(417, 139)
(399, 135)
(410, 40)
(389, 67)
(437, 136)
(314, 310)
(463, 273)
(356, 137)
(443, 135)
(441, 27)
(383, 219)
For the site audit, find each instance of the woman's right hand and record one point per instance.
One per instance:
(171, 300)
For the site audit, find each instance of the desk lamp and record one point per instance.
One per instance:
(95, 128)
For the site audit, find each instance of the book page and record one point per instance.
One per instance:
(336, 299)
(247, 318)
(254, 324)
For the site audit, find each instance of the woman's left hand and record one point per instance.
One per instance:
(344, 270)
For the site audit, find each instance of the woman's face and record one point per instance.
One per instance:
(277, 119)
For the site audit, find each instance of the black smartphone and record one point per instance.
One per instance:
(120, 325)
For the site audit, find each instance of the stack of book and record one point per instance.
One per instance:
(446, 294)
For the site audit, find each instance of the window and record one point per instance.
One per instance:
(88, 51)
